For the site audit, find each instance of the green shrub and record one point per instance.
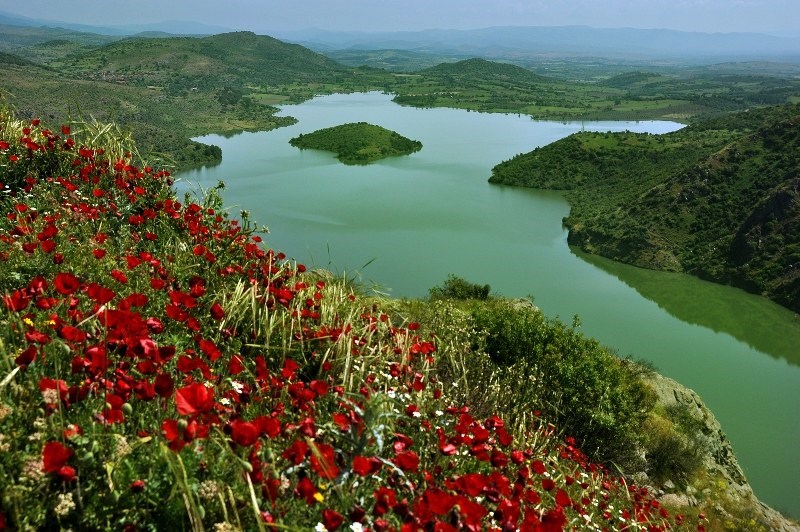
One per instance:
(458, 288)
(674, 447)
(582, 387)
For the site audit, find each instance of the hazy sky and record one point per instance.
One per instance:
(262, 16)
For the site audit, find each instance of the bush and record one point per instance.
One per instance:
(457, 288)
(583, 388)
(674, 447)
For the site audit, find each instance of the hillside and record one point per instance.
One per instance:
(481, 69)
(180, 64)
(718, 199)
(165, 90)
(358, 143)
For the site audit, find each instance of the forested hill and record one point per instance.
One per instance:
(481, 69)
(720, 199)
(358, 143)
(165, 90)
(182, 63)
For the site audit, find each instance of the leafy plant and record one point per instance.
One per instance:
(455, 287)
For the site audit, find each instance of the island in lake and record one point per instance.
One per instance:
(358, 143)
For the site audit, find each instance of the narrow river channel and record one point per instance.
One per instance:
(401, 225)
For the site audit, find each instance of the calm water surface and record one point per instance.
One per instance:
(403, 224)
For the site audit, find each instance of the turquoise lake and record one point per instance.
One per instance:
(401, 225)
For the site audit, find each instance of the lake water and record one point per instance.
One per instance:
(402, 224)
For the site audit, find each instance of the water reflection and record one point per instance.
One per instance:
(754, 320)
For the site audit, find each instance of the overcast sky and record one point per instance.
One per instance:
(263, 16)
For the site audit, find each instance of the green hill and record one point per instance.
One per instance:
(718, 200)
(182, 64)
(480, 69)
(358, 143)
(165, 90)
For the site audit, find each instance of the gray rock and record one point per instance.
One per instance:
(718, 457)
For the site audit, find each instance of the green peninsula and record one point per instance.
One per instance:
(358, 143)
(718, 199)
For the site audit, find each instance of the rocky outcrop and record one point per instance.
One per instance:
(718, 459)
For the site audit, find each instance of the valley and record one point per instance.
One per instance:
(669, 164)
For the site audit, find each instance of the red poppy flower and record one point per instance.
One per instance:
(244, 433)
(99, 294)
(194, 399)
(296, 452)
(25, 358)
(385, 500)
(119, 276)
(342, 421)
(164, 386)
(217, 311)
(71, 334)
(562, 498)
(67, 473)
(210, 350)
(235, 365)
(305, 489)
(55, 456)
(268, 426)
(331, 519)
(407, 461)
(323, 461)
(366, 466)
(18, 300)
(66, 283)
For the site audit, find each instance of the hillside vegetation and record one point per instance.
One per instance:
(718, 199)
(167, 90)
(176, 374)
(358, 143)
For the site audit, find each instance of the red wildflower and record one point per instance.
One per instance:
(268, 426)
(119, 276)
(217, 311)
(25, 358)
(306, 490)
(296, 452)
(210, 350)
(562, 499)
(323, 461)
(331, 519)
(17, 301)
(99, 294)
(244, 433)
(385, 500)
(194, 399)
(55, 456)
(164, 385)
(66, 283)
(366, 466)
(407, 461)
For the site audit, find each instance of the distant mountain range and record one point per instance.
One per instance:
(495, 42)
(506, 42)
(177, 27)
